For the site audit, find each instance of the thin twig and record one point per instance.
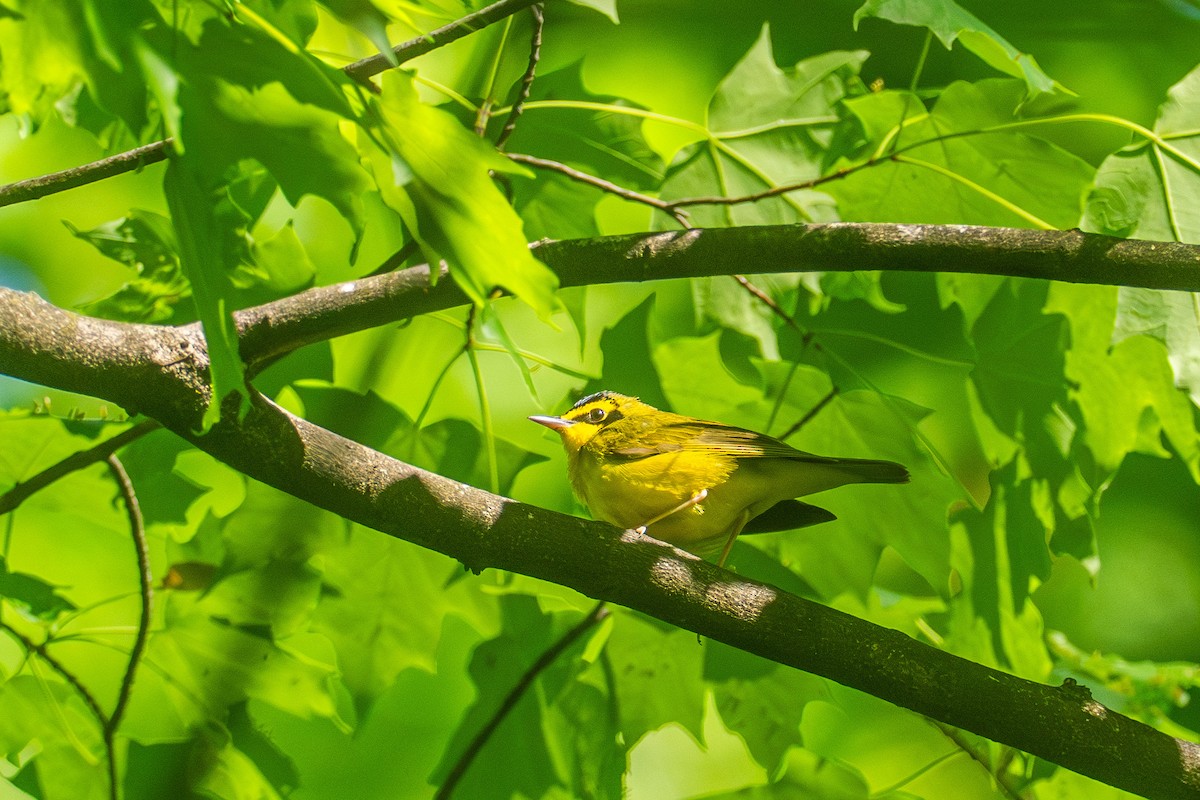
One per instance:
(535, 53)
(607, 186)
(128, 161)
(812, 412)
(137, 528)
(767, 300)
(599, 612)
(774, 191)
(373, 65)
(76, 461)
(1003, 782)
(56, 665)
(131, 160)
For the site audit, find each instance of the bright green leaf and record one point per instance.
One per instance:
(963, 161)
(657, 673)
(769, 127)
(199, 235)
(435, 174)
(1151, 189)
(145, 243)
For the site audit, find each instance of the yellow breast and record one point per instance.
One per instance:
(629, 493)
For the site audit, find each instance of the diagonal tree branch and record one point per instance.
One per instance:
(373, 65)
(162, 372)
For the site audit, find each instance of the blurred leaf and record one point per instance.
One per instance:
(766, 710)
(807, 775)
(50, 46)
(950, 22)
(596, 141)
(1020, 345)
(248, 95)
(32, 595)
(385, 607)
(365, 418)
(1138, 688)
(606, 7)
(272, 526)
(219, 664)
(628, 365)
(283, 262)
(496, 666)
(1126, 392)
(154, 771)
(271, 762)
(729, 304)
(1172, 318)
(657, 675)
(33, 443)
(435, 174)
(166, 495)
(199, 235)
(49, 712)
(452, 447)
(145, 243)
(226, 772)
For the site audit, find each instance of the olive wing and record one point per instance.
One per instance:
(739, 443)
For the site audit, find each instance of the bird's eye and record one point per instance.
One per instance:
(597, 415)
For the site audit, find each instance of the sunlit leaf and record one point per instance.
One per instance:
(1151, 189)
(435, 174)
(768, 127)
(963, 161)
(145, 243)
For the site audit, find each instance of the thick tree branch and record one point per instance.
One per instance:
(318, 314)
(162, 372)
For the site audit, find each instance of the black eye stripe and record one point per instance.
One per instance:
(599, 416)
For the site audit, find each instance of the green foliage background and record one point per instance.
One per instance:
(1050, 428)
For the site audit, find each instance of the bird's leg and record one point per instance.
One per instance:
(696, 498)
(737, 529)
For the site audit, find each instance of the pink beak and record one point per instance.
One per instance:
(553, 423)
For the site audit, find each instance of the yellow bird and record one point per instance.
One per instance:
(693, 483)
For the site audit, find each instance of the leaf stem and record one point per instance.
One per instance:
(535, 54)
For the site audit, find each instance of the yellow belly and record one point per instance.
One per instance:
(629, 494)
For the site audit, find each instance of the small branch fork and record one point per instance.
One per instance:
(18, 494)
(154, 152)
(105, 451)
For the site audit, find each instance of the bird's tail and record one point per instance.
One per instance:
(867, 470)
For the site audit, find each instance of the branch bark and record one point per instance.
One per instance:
(162, 372)
(325, 312)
